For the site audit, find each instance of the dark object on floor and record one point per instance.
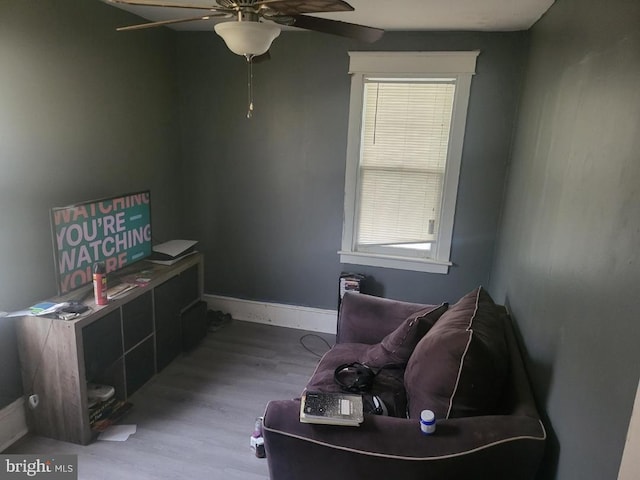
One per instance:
(217, 320)
(194, 326)
(463, 363)
(323, 342)
(260, 453)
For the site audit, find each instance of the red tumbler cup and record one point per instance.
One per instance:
(100, 284)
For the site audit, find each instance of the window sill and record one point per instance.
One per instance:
(391, 261)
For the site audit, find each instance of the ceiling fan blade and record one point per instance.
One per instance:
(334, 27)
(297, 7)
(152, 3)
(168, 22)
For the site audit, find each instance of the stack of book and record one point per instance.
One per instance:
(104, 408)
(101, 410)
(115, 413)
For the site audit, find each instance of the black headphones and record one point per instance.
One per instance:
(354, 377)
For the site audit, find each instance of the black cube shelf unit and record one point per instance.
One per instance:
(122, 344)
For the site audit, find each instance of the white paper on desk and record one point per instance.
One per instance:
(19, 313)
(117, 433)
(173, 248)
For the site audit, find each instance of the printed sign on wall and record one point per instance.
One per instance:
(116, 231)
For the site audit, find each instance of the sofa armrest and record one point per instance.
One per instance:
(368, 319)
(497, 447)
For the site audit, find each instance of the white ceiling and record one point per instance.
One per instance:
(484, 15)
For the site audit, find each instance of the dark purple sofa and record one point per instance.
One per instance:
(462, 362)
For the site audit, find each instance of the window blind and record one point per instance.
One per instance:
(405, 137)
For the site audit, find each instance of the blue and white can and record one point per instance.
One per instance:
(427, 422)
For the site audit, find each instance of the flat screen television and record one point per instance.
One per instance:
(115, 231)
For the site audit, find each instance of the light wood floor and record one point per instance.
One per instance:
(195, 418)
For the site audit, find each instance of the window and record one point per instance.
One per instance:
(406, 128)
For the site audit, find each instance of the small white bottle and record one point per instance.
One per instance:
(427, 422)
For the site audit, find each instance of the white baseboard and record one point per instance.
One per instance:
(281, 315)
(13, 423)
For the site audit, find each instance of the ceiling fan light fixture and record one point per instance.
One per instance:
(247, 38)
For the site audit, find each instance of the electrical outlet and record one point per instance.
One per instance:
(34, 400)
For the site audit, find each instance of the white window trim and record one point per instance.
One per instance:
(458, 65)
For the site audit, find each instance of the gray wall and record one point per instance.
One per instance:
(85, 112)
(567, 262)
(266, 195)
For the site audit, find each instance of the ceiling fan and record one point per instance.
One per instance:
(257, 22)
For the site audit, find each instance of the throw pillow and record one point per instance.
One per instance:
(397, 346)
(460, 366)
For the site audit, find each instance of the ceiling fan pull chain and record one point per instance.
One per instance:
(250, 85)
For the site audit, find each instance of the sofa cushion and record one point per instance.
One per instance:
(388, 383)
(397, 346)
(460, 366)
